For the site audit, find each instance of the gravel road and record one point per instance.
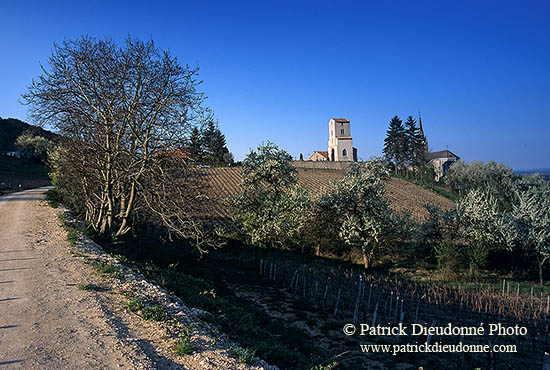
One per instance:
(46, 322)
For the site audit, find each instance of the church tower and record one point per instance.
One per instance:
(340, 147)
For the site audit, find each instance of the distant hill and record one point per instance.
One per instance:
(11, 128)
(544, 172)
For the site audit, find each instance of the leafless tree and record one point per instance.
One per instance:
(120, 110)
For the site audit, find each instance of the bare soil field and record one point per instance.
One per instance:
(404, 197)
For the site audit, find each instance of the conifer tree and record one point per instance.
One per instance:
(214, 146)
(195, 144)
(395, 143)
(410, 139)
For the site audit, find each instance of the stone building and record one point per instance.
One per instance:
(318, 156)
(340, 146)
(441, 161)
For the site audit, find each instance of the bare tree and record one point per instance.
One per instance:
(119, 110)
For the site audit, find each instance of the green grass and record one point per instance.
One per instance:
(183, 345)
(244, 355)
(53, 198)
(149, 313)
(105, 268)
(154, 313)
(436, 189)
(135, 305)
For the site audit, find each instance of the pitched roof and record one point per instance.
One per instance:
(442, 154)
(341, 120)
(323, 153)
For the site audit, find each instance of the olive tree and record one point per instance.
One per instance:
(529, 224)
(477, 215)
(495, 178)
(118, 109)
(272, 208)
(358, 206)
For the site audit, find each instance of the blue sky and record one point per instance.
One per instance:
(478, 71)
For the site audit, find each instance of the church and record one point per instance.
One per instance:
(340, 146)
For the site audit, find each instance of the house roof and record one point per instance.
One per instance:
(341, 120)
(323, 153)
(442, 154)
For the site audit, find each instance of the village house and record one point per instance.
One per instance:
(318, 156)
(441, 161)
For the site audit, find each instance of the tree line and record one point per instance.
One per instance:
(494, 215)
(125, 113)
(406, 147)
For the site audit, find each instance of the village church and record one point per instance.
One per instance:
(340, 146)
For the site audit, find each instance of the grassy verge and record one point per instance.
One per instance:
(436, 189)
(198, 285)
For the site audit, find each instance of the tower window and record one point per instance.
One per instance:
(344, 153)
(342, 131)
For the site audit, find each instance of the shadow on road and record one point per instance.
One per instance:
(18, 259)
(11, 362)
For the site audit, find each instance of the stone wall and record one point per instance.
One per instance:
(322, 165)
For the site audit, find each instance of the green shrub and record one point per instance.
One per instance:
(135, 305)
(53, 198)
(245, 355)
(476, 254)
(183, 346)
(154, 313)
(449, 256)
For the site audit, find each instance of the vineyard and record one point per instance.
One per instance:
(328, 297)
(404, 197)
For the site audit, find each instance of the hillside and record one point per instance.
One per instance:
(403, 196)
(11, 128)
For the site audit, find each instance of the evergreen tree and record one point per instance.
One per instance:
(410, 139)
(301, 157)
(395, 143)
(416, 153)
(195, 144)
(215, 150)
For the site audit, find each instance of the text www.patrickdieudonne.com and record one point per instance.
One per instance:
(437, 347)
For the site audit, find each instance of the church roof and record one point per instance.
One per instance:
(341, 120)
(442, 154)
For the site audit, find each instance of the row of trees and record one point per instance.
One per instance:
(273, 210)
(405, 145)
(123, 112)
(207, 145)
(499, 211)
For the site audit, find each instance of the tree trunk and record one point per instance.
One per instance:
(366, 261)
(540, 273)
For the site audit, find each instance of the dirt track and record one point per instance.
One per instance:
(46, 322)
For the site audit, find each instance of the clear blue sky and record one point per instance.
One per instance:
(478, 71)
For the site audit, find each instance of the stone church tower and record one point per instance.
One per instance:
(340, 147)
